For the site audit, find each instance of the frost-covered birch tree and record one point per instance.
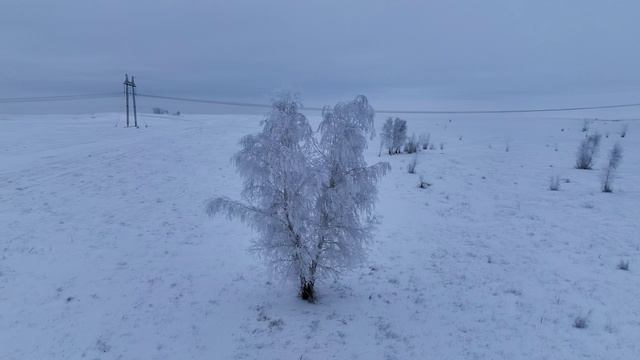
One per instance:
(278, 188)
(386, 136)
(394, 135)
(311, 202)
(347, 191)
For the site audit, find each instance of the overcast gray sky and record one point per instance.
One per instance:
(404, 52)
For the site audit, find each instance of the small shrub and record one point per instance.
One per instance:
(580, 322)
(587, 151)
(615, 156)
(159, 111)
(623, 265)
(554, 183)
(411, 168)
(586, 124)
(411, 147)
(623, 131)
(441, 146)
(424, 141)
(423, 184)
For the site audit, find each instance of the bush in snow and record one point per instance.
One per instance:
(587, 151)
(423, 184)
(394, 135)
(159, 111)
(580, 322)
(615, 156)
(585, 125)
(623, 131)
(411, 168)
(623, 265)
(424, 141)
(412, 145)
(311, 203)
(554, 183)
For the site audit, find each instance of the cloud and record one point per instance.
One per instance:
(247, 49)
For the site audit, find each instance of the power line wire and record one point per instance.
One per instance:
(509, 111)
(58, 98)
(498, 111)
(260, 105)
(217, 102)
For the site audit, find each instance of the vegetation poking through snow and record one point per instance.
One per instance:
(424, 141)
(554, 183)
(580, 322)
(411, 167)
(623, 265)
(422, 184)
(615, 156)
(623, 130)
(587, 151)
(412, 145)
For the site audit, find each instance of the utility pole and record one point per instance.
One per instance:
(126, 95)
(130, 84)
(133, 96)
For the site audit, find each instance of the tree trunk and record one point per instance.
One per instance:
(307, 291)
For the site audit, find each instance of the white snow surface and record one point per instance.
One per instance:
(106, 251)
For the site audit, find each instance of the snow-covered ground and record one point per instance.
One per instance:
(106, 251)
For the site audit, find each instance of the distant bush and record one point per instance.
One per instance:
(623, 131)
(411, 168)
(586, 124)
(615, 156)
(423, 184)
(587, 150)
(160, 111)
(623, 265)
(424, 141)
(580, 322)
(412, 145)
(554, 183)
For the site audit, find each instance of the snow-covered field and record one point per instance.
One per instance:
(106, 251)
